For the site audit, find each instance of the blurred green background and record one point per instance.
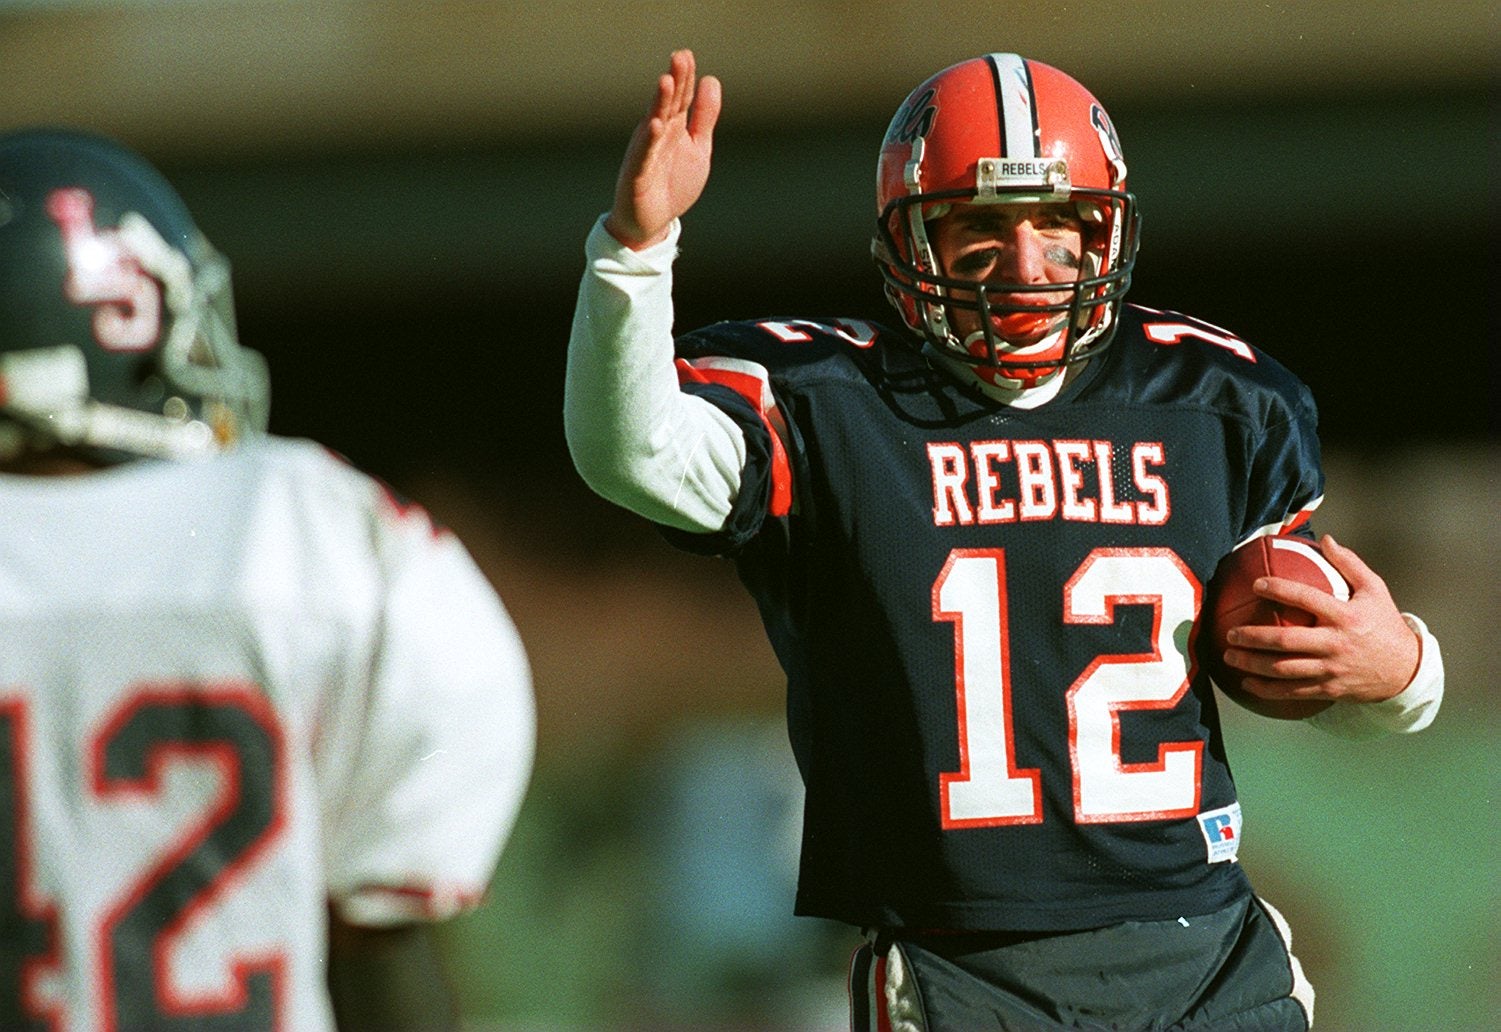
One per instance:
(404, 188)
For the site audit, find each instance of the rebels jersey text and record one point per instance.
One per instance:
(984, 612)
(230, 691)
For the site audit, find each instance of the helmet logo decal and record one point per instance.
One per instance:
(104, 272)
(1110, 142)
(914, 121)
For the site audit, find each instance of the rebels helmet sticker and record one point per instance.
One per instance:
(1102, 125)
(915, 120)
(1109, 142)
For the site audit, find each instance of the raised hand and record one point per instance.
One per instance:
(1361, 650)
(667, 163)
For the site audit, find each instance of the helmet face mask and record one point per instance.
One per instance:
(103, 273)
(1003, 130)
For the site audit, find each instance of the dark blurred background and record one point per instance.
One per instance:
(404, 188)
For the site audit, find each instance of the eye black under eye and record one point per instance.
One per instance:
(976, 261)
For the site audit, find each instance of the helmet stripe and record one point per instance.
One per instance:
(1017, 106)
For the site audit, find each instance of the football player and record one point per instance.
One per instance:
(978, 541)
(261, 721)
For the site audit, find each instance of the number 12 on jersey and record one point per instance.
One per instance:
(991, 788)
(230, 727)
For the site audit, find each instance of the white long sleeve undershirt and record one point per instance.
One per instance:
(635, 438)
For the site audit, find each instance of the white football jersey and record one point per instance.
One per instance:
(230, 691)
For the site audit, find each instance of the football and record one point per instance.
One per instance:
(1230, 602)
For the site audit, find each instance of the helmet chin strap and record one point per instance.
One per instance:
(1018, 350)
(978, 343)
(123, 429)
(46, 391)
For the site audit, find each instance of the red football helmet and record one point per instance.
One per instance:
(1003, 129)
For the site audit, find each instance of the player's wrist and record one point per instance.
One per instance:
(630, 234)
(1408, 662)
(1415, 652)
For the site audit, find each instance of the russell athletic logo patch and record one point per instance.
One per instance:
(1221, 829)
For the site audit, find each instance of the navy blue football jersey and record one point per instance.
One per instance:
(985, 613)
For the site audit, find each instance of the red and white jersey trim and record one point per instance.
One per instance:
(752, 382)
(381, 905)
(1287, 525)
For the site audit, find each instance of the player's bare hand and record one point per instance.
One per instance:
(1361, 650)
(667, 163)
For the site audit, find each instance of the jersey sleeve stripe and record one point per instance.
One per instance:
(751, 381)
(1289, 524)
(380, 905)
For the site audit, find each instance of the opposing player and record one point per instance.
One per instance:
(261, 722)
(978, 543)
